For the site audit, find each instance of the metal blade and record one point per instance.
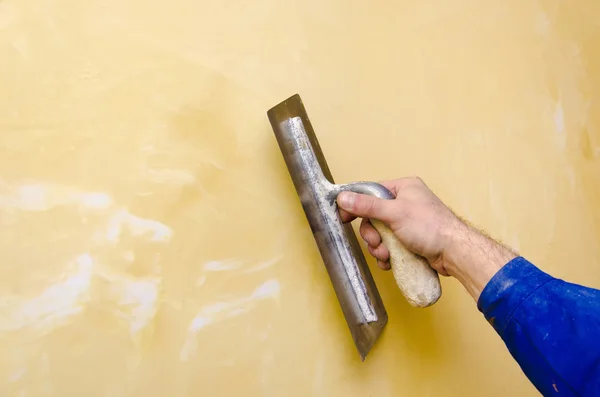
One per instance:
(348, 271)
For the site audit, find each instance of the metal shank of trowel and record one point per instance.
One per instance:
(352, 280)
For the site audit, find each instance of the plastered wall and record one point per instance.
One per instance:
(151, 242)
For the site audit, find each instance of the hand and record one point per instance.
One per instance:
(417, 217)
(426, 226)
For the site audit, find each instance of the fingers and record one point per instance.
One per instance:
(384, 264)
(369, 234)
(367, 231)
(380, 252)
(365, 206)
(374, 245)
(346, 216)
(352, 205)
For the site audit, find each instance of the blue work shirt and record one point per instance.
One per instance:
(551, 327)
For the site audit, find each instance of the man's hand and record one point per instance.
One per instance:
(426, 226)
(417, 217)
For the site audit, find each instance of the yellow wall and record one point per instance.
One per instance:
(151, 242)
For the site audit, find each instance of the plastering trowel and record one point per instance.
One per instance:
(352, 281)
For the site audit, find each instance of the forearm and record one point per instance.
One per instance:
(473, 258)
(549, 326)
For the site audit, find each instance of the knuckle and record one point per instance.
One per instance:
(382, 252)
(415, 179)
(364, 226)
(370, 237)
(373, 237)
(371, 251)
(364, 235)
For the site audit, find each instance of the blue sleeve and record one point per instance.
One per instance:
(550, 327)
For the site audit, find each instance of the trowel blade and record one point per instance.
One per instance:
(348, 271)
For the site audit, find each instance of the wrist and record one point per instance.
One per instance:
(473, 258)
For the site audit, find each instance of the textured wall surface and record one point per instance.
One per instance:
(151, 242)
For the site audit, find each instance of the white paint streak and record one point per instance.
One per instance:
(543, 23)
(136, 226)
(319, 370)
(215, 164)
(220, 266)
(571, 177)
(200, 281)
(264, 265)
(219, 311)
(21, 45)
(32, 198)
(94, 200)
(142, 298)
(17, 374)
(559, 123)
(171, 177)
(199, 322)
(55, 304)
(137, 299)
(37, 197)
(129, 256)
(235, 264)
(268, 289)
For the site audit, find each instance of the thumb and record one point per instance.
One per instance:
(364, 206)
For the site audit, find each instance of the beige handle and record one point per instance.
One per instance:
(419, 282)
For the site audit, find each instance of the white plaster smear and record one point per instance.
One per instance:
(136, 299)
(170, 176)
(137, 226)
(36, 197)
(133, 299)
(57, 302)
(236, 264)
(559, 124)
(220, 311)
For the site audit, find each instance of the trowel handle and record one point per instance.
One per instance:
(418, 281)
